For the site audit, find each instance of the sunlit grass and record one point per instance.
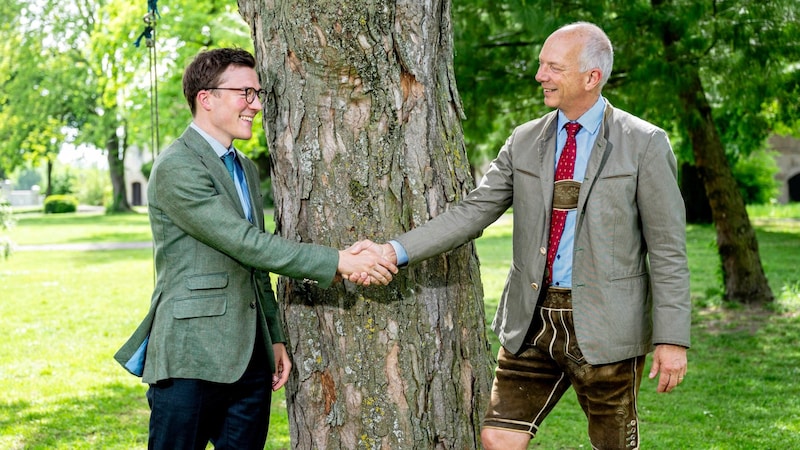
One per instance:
(63, 314)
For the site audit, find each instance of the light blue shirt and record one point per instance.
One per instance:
(220, 150)
(585, 139)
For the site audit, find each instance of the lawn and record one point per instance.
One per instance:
(64, 313)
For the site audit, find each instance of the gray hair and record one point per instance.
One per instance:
(597, 49)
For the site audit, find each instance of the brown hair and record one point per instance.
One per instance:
(207, 67)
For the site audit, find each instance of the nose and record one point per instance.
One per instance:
(541, 74)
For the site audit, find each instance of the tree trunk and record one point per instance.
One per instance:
(742, 273)
(115, 153)
(363, 124)
(49, 191)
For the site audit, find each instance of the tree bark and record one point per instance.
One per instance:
(363, 124)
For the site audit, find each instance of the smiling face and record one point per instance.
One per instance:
(225, 114)
(565, 86)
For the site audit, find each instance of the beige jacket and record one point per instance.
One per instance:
(630, 274)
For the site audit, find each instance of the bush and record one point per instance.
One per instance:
(61, 182)
(755, 176)
(57, 204)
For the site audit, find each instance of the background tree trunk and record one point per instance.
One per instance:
(363, 124)
(115, 154)
(742, 273)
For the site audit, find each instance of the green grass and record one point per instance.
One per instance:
(36, 228)
(63, 314)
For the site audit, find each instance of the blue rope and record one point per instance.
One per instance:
(147, 34)
(152, 6)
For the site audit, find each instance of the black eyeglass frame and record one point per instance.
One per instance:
(249, 93)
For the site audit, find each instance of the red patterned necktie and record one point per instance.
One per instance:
(564, 171)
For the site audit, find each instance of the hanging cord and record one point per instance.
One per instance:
(150, 20)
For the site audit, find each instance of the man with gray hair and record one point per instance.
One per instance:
(599, 276)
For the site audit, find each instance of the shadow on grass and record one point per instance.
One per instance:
(109, 416)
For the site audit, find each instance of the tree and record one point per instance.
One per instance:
(363, 126)
(717, 75)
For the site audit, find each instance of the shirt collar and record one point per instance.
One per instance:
(590, 120)
(219, 149)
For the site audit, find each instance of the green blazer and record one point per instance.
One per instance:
(212, 270)
(630, 277)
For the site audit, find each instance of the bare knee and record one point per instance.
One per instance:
(497, 439)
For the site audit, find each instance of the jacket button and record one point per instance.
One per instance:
(535, 286)
(252, 305)
(542, 250)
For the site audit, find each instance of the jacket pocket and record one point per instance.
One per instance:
(217, 280)
(207, 306)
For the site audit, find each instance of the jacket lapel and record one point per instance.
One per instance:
(597, 159)
(547, 158)
(208, 157)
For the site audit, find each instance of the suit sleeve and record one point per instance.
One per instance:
(187, 192)
(663, 216)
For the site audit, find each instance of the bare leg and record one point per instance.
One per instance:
(497, 439)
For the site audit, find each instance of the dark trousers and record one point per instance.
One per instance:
(186, 414)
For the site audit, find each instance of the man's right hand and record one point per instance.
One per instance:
(365, 263)
(385, 251)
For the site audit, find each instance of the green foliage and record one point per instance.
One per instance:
(90, 186)
(147, 168)
(266, 191)
(58, 204)
(61, 183)
(755, 175)
(745, 52)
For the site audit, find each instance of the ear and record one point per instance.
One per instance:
(203, 100)
(593, 79)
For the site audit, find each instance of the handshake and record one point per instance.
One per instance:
(366, 263)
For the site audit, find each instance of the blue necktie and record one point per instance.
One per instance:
(235, 170)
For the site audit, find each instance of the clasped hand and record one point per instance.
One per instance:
(366, 262)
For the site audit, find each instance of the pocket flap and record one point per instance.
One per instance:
(207, 281)
(199, 307)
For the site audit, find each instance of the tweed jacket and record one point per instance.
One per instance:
(212, 265)
(630, 278)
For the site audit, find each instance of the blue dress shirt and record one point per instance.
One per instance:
(585, 139)
(220, 150)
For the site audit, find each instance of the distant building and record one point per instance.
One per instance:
(29, 197)
(788, 160)
(136, 183)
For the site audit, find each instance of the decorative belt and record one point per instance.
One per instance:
(557, 298)
(565, 194)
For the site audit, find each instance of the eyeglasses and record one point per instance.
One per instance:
(249, 93)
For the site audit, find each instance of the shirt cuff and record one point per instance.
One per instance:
(402, 255)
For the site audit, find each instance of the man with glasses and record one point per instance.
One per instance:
(211, 346)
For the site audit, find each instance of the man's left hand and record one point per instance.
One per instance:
(670, 361)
